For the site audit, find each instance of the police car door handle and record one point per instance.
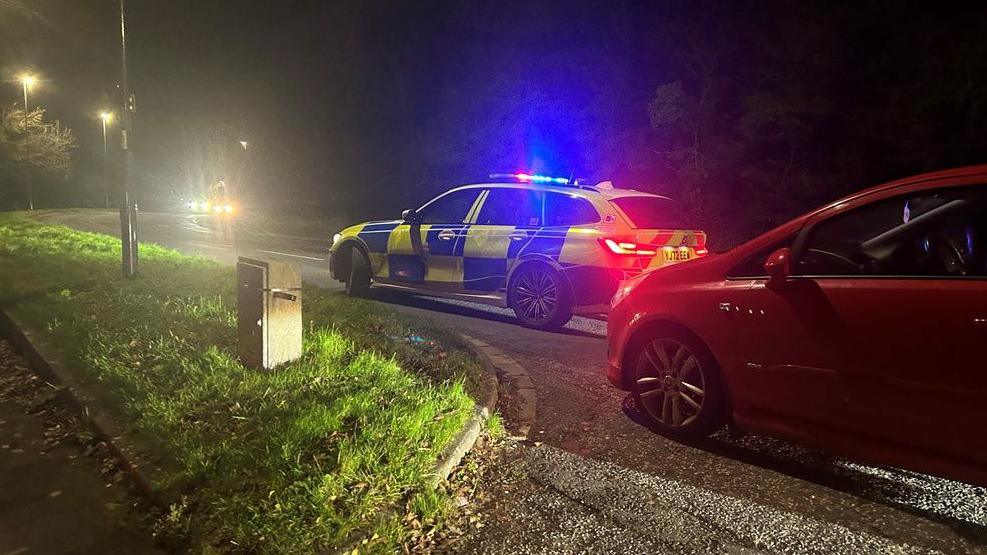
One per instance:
(518, 235)
(447, 235)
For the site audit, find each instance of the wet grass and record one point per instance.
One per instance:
(287, 461)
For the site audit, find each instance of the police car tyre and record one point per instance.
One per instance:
(358, 282)
(677, 386)
(540, 297)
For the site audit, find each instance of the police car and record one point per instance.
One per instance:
(546, 247)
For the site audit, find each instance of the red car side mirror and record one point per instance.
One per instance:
(778, 264)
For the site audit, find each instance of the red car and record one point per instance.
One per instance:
(860, 327)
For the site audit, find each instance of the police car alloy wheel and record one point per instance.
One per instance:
(359, 279)
(540, 298)
(677, 387)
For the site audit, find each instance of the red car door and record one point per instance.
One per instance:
(904, 284)
(789, 349)
(917, 375)
(792, 347)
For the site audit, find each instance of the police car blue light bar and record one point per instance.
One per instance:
(533, 178)
(541, 178)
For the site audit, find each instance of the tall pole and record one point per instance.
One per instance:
(27, 149)
(128, 214)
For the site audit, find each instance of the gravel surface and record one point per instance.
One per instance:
(547, 500)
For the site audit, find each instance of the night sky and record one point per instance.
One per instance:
(342, 100)
(370, 107)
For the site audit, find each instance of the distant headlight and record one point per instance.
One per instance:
(228, 209)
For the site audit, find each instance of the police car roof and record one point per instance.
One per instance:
(572, 189)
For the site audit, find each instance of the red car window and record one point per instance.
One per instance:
(933, 234)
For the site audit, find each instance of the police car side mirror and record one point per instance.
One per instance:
(408, 215)
(778, 265)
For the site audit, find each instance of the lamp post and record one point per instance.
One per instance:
(28, 81)
(128, 213)
(106, 117)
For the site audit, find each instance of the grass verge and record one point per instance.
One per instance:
(287, 461)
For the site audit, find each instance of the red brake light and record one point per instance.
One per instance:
(629, 248)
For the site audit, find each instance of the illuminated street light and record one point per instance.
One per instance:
(244, 144)
(27, 82)
(106, 117)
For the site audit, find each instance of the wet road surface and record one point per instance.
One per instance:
(592, 478)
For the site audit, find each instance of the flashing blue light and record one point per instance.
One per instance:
(541, 178)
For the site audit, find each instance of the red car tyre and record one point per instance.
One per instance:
(677, 386)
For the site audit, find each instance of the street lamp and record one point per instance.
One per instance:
(128, 214)
(27, 82)
(106, 117)
(244, 144)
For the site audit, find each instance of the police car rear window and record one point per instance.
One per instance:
(650, 212)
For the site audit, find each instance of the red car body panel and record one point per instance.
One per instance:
(886, 370)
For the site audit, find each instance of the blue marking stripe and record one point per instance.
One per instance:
(484, 274)
(546, 242)
(377, 235)
(440, 247)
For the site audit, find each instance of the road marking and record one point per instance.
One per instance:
(289, 254)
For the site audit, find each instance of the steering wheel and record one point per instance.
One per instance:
(952, 259)
(838, 257)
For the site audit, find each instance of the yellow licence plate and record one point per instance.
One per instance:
(676, 255)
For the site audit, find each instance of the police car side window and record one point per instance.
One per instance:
(514, 207)
(448, 209)
(564, 209)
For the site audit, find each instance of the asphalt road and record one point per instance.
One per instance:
(591, 478)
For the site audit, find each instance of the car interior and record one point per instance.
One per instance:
(943, 234)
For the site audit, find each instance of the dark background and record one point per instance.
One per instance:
(748, 112)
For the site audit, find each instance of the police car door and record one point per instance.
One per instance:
(507, 220)
(422, 251)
